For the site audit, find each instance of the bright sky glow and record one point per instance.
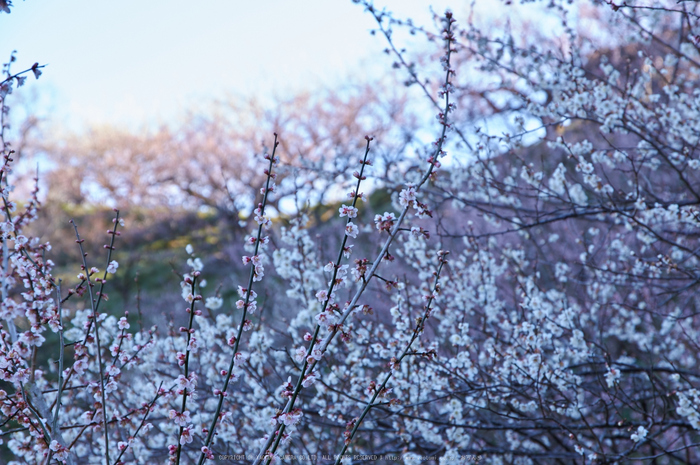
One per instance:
(141, 63)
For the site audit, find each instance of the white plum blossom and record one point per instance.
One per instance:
(31, 338)
(316, 354)
(252, 305)
(349, 211)
(690, 409)
(193, 346)
(112, 267)
(80, 366)
(300, 354)
(123, 323)
(60, 452)
(195, 263)
(639, 434)
(407, 196)
(612, 376)
(180, 419)
(185, 383)
(290, 418)
(214, 303)
(309, 379)
(243, 293)
(362, 196)
(259, 269)
(384, 222)
(347, 251)
(111, 386)
(262, 219)
(186, 436)
(322, 295)
(351, 230)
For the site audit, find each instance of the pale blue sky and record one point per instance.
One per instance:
(134, 63)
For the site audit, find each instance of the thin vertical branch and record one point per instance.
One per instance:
(420, 325)
(248, 293)
(61, 359)
(110, 249)
(5, 249)
(93, 305)
(290, 405)
(187, 360)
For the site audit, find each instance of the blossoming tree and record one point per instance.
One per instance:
(530, 298)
